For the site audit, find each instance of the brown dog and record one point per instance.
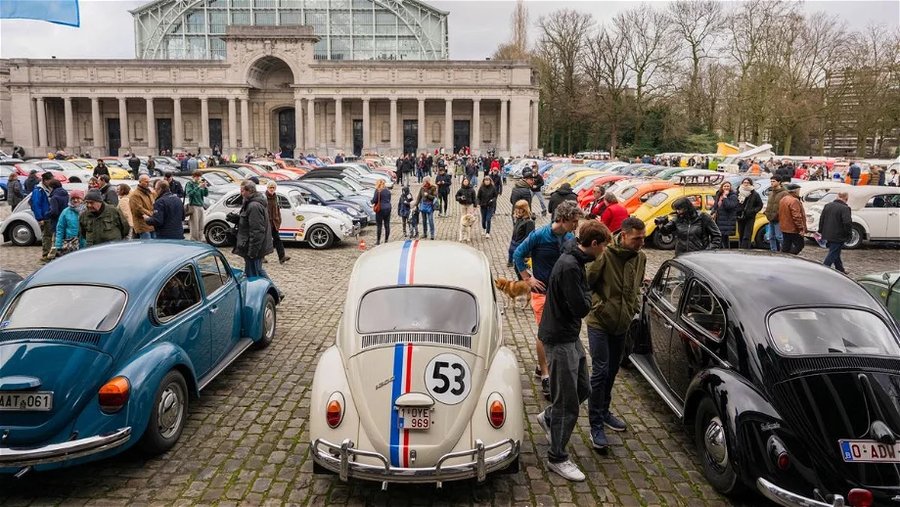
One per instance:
(513, 289)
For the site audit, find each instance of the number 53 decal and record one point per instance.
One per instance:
(448, 379)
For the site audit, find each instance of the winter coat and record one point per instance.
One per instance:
(876, 176)
(615, 279)
(385, 196)
(30, 183)
(835, 223)
(141, 203)
(487, 196)
(538, 182)
(726, 213)
(568, 298)
(854, 172)
(497, 180)
(110, 195)
(466, 196)
(101, 170)
(14, 193)
(522, 228)
(194, 193)
(791, 216)
(273, 210)
(597, 207)
(751, 206)
(254, 241)
(135, 164)
(426, 196)
(67, 228)
(613, 216)
(125, 206)
(443, 182)
(521, 191)
(168, 216)
(108, 224)
(693, 233)
(772, 204)
(563, 193)
(176, 188)
(403, 204)
(59, 201)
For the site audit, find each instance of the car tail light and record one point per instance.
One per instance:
(496, 410)
(334, 410)
(859, 497)
(113, 395)
(783, 461)
(778, 453)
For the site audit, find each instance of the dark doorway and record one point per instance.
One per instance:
(460, 135)
(164, 134)
(114, 136)
(287, 133)
(215, 133)
(411, 136)
(357, 137)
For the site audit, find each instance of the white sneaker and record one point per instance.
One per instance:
(567, 470)
(487, 235)
(542, 422)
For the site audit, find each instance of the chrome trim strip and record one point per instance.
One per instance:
(785, 498)
(235, 353)
(656, 387)
(14, 457)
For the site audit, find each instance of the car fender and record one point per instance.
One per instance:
(253, 295)
(503, 378)
(330, 377)
(862, 223)
(332, 223)
(26, 216)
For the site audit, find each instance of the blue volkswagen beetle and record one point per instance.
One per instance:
(102, 349)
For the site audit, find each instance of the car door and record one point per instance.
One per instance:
(222, 304)
(663, 299)
(877, 215)
(180, 313)
(697, 332)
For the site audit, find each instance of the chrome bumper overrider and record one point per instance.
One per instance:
(12, 457)
(785, 498)
(338, 459)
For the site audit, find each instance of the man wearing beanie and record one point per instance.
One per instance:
(100, 222)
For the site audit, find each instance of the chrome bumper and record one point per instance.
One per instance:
(14, 457)
(337, 458)
(785, 498)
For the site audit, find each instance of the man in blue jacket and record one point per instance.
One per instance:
(168, 213)
(40, 206)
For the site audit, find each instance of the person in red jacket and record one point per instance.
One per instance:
(614, 214)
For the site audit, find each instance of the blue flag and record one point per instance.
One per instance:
(63, 12)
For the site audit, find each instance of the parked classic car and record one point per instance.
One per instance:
(875, 212)
(96, 357)
(789, 391)
(885, 287)
(426, 395)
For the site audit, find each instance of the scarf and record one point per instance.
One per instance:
(743, 193)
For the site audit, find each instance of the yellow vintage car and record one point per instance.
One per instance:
(115, 172)
(571, 176)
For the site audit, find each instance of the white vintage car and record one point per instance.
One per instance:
(418, 387)
(874, 210)
(319, 226)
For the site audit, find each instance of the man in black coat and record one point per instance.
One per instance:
(168, 213)
(694, 231)
(835, 226)
(563, 193)
(522, 189)
(254, 240)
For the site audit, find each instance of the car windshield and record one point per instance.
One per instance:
(657, 199)
(435, 309)
(326, 192)
(341, 191)
(68, 166)
(97, 308)
(815, 331)
(827, 198)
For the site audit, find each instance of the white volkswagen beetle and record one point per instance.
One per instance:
(418, 387)
(319, 226)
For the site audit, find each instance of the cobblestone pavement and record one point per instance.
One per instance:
(246, 438)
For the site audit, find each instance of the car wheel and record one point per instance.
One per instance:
(664, 241)
(21, 234)
(712, 444)
(269, 319)
(760, 240)
(319, 237)
(167, 414)
(511, 469)
(217, 234)
(857, 233)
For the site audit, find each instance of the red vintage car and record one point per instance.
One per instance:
(586, 195)
(23, 168)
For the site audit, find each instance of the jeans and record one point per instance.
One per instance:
(487, 213)
(383, 218)
(606, 355)
(444, 202)
(854, 181)
(512, 248)
(540, 199)
(276, 241)
(793, 243)
(745, 232)
(427, 221)
(253, 267)
(775, 237)
(834, 255)
(419, 175)
(569, 388)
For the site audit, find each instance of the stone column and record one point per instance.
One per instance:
(204, 123)
(42, 122)
(534, 126)
(448, 125)
(395, 145)
(519, 125)
(504, 127)
(152, 147)
(123, 123)
(421, 126)
(475, 141)
(232, 128)
(311, 124)
(366, 125)
(70, 125)
(246, 143)
(177, 126)
(339, 124)
(96, 127)
(298, 126)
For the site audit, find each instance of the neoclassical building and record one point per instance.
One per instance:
(355, 76)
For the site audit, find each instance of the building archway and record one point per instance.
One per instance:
(271, 95)
(270, 73)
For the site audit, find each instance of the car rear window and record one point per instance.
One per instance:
(81, 307)
(818, 331)
(418, 308)
(657, 199)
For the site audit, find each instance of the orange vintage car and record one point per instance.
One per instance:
(586, 194)
(634, 193)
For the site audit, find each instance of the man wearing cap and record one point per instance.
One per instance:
(100, 222)
(40, 207)
(792, 219)
(522, 189)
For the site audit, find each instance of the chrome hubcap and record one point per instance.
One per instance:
(269, 321)
(22, 234)
(217, 234)
(319, 237)
(714, 441)
(854, 237)
(170, 410)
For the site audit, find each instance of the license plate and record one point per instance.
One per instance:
(869, 451)
(414, 418)
(25, 401)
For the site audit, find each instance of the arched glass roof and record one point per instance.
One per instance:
(349, 29)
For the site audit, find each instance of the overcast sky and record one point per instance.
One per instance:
(476, 27)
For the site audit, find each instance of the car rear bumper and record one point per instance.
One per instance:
(785, 498)
(339, 459)
(16, 457)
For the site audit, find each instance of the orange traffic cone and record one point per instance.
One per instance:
(362, 245)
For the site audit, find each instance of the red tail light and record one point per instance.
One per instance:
(859, 497)
(496, 410)
(113, 395)
(334, 410)
(783, 461)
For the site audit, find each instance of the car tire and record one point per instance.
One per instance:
(664, 241)
(269, 320)
(21, 234)
(712, 443)
(511, 469)
(857, 236)
(217, 234)
(319, 237)
(760, 240)
(167, 415)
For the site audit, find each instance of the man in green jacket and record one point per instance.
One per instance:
(615, 279)
(194, 192)
(100, 222)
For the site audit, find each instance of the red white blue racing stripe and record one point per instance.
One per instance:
(406, 274)
(399, 444)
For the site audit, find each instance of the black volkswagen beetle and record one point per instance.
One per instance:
(787, 372)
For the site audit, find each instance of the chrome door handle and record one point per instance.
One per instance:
(667, 325)
(214, 309)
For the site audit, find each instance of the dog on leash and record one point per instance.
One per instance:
(514, 289)
(465, 230)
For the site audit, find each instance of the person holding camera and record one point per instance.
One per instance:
(693, 230)
(194, 192)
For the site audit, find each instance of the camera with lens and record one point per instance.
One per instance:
(661, 220)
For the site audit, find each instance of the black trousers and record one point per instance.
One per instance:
(382, 219)
(792, 243)
(276, 241)
(445, 201)
(745, 232)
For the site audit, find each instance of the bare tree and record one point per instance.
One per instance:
(698, 23)
(604, 65)
(517, 47)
